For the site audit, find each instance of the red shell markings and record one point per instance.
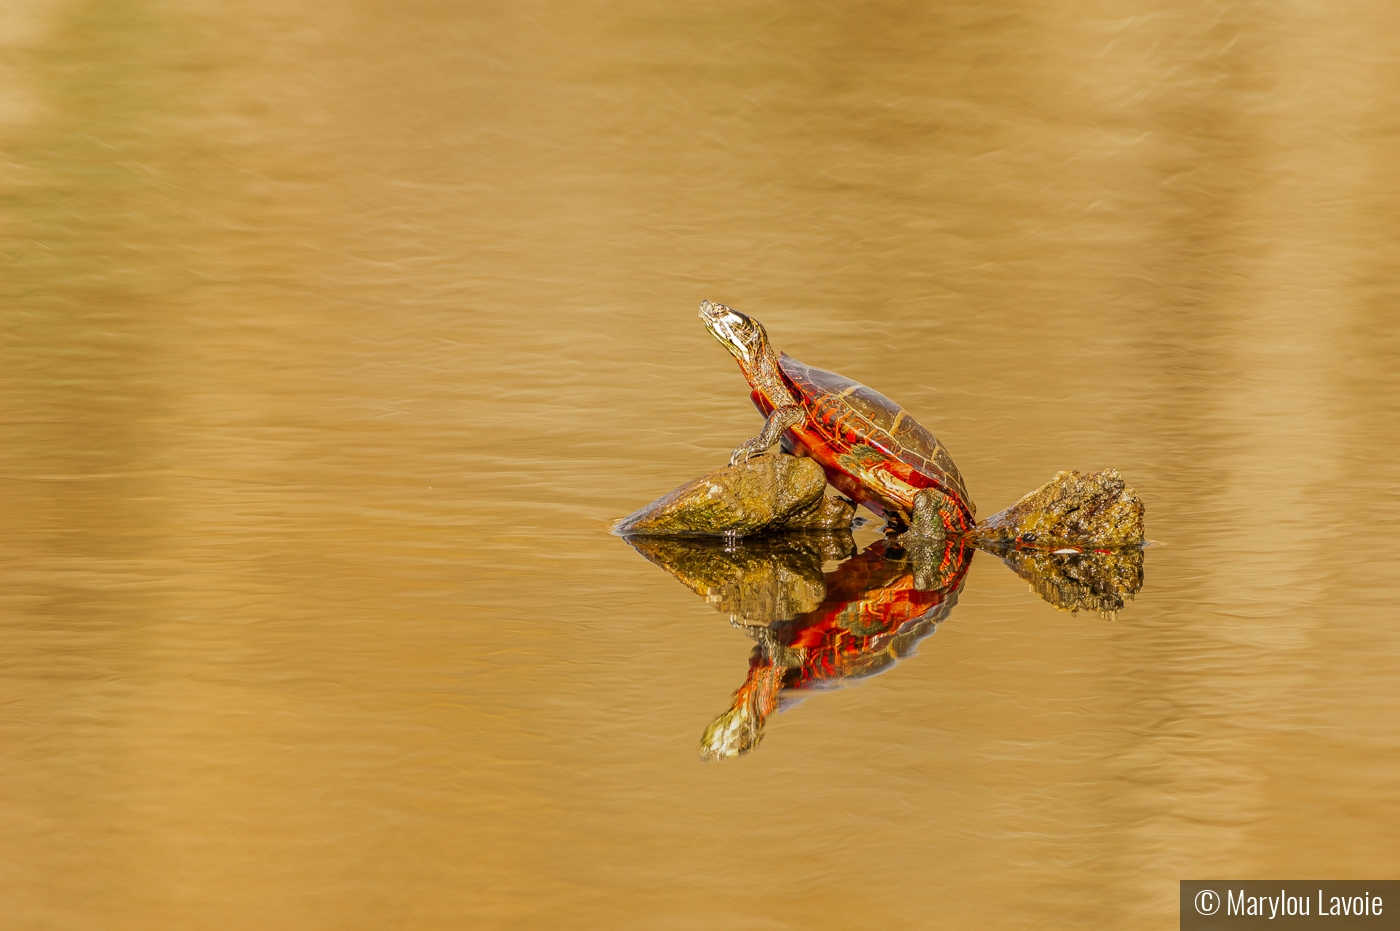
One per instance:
(870, 448)
(870, 600)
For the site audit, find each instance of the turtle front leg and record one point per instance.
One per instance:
(781, 419)
(935, 516)
(936, 562)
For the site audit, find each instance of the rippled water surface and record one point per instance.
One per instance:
(334, 335)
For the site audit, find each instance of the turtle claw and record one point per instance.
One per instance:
(742, 453)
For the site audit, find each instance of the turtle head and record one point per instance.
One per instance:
(742, 335)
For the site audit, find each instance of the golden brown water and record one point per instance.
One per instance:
(332, 336)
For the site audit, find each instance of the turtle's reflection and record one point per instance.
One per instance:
(815, 629)
(812, 629)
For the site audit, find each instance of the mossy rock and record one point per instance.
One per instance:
(766, 494)
(1097, 509)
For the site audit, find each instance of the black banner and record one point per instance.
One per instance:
(1316, 905)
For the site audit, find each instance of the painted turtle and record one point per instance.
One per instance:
(870, 448)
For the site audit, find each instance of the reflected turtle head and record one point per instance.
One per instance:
(741, 334)
(736, 731)
(739, 729)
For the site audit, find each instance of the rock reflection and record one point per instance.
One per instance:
(1100, 580)
(756, 581)
(815, 629)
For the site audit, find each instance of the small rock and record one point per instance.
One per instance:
(766, 493)
(1098, 509)
(826, 513)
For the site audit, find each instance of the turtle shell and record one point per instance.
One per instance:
(879, 421)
